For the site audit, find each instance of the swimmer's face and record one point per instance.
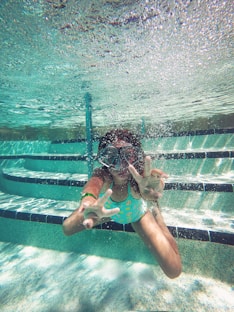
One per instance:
(120, 171)
(117, 157)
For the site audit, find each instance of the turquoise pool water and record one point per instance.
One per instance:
(161, 68)
(111, 269)
(47, 177)
(164, 61)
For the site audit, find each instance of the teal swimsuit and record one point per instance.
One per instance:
(131, 209)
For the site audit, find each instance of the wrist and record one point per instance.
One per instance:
(87, 194)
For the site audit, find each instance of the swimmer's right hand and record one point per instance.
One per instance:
(93, 213)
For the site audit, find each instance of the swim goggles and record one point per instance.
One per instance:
(121, 157)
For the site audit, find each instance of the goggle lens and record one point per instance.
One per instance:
(119, 157)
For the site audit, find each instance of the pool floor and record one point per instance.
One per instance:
(40, 280)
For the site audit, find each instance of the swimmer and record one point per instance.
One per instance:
(126, 190)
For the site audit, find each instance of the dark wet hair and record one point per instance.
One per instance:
(119, 134)
(128, 137)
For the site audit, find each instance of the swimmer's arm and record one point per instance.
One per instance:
(74, 223)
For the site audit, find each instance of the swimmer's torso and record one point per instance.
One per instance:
(131, 209)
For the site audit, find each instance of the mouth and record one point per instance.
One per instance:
(122, 172)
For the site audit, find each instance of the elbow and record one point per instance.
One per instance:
(66, 228)
(174, 272)
(66, 231)
(70, 227)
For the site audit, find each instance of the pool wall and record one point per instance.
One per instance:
(198, 257)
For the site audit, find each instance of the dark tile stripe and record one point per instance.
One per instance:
(12, 156)
(23, 216)
(54, 219)
(46, 157)
(199, 132)
(206, 187)
(57, 157)
(158, 156)
(170, 134)
(218, 187)
(173, 230)
(201, 235)
(185, 186)
(128, 228)
(113, 226)
(193, 155)
(177, 232)
(224, 131)
(8, 214)
(224, 154)
(36, 217)
(222, 238)
(205, 132)
(44, 181)
(68, 141)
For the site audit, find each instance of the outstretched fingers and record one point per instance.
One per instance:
(110, 212)
(98, 211)
(147, 167)
(147, 170)
(102, 200)
(137, 177)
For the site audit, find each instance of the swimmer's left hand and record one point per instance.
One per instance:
(151, 184)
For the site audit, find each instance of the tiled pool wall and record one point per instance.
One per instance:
(197, 153)
(199, 257)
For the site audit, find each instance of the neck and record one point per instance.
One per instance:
(120, 191)
(120, 183)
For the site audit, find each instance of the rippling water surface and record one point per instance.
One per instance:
(161, 60)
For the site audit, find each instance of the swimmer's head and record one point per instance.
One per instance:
(119, 148)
